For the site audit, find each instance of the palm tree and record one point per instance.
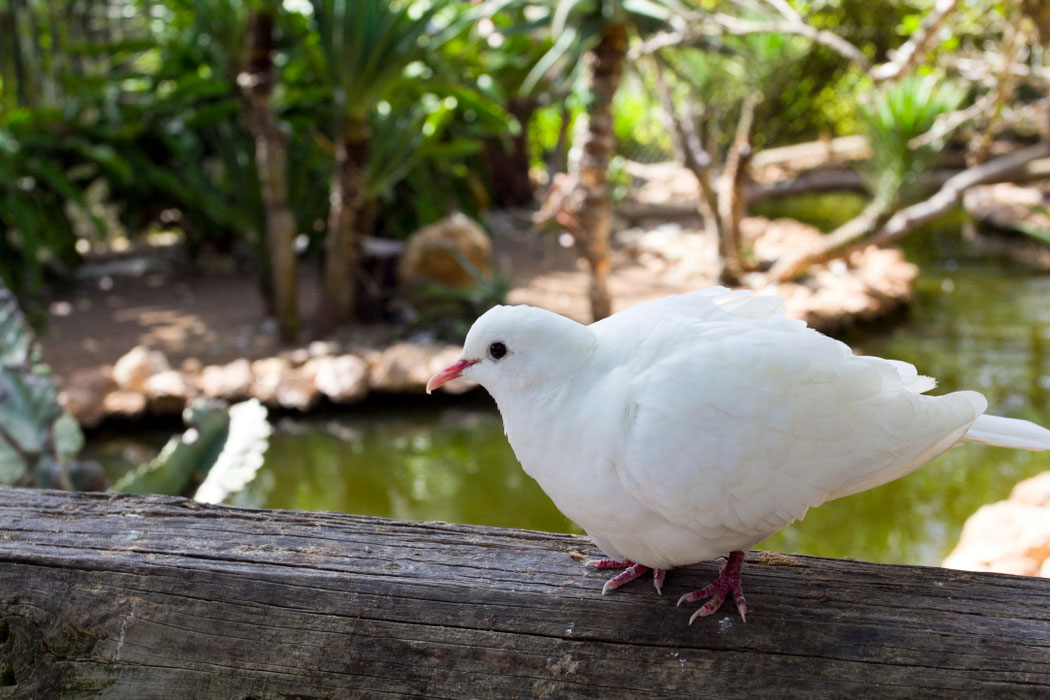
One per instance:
(597, 30)
(256, 82)
(368, 44)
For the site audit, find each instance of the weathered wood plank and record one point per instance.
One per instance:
(142, 597)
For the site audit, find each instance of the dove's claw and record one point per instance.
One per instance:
(631, 572)
(608, 564)
(728, 581)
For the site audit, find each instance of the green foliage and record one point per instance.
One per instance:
(639, 124)
(217, 456)
(577, 25)
(38, 440)
(38, 188)
(371, 46)
(896, 115)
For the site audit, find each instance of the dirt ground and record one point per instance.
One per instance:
(213, 314)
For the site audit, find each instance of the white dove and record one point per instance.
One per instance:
(688, 427)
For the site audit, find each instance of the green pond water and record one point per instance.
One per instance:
(975, 323)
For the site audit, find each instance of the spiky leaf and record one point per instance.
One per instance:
(241, 455)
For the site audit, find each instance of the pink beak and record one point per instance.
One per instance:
(446, 375)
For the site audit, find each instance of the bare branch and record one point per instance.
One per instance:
(917, 45)
(875, 226)
(947, 123)
(786, 11)
(691, 151)
(1017, 39)
(727, 25)
(996, 170)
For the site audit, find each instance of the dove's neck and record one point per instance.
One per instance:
(543, 410)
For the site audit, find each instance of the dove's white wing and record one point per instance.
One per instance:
(737, 420)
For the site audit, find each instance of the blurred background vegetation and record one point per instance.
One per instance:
(119, 118)
(298, 137)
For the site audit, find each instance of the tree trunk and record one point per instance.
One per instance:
(732, 199)
(271, 162)
(556, 159)
(24, 89)
(594, 214)
(509, 169)
(345, 227)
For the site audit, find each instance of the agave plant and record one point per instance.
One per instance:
(38, 440)
(892, 118)
(217, 456)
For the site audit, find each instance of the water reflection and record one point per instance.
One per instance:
(407, 461)
(974, 325)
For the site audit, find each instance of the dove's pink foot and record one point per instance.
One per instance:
(728, 581)
(630, 573)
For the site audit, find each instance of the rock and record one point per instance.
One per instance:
(296, 357)
(278, 383)
(436, 253)
(232, 382)
(124, 403)
(1034, 491)
(269, 373)
(1009, 537)
(139, 364)
(191, 365)
(297, 390)
(322, 348)
(169, 391)
(342, 379)
(406, 367)
(84, 393)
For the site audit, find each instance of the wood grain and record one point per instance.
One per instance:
(156, 597)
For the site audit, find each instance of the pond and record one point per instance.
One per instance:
(975, 324)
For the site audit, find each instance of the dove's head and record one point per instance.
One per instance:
(510, 348)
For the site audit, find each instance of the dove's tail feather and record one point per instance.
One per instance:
(1008, 432)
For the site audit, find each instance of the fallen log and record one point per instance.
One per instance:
(124, 596)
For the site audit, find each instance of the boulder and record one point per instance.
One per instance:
(279, 383)
(406, 368)
(269, 373)
(84, 393)
(445, 252)
(1034, 491)
(124, 403)
(297, 389)
(169, 391)
(1009, 537)
(231, 382)
(139, 364)
(342, 379)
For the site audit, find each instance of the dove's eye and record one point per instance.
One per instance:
(497, 350)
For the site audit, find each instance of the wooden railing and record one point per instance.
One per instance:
(155, 597)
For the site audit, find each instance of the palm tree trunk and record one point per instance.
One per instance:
(271, 162)
(594, 214)
(509, 169)
(345, 227)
